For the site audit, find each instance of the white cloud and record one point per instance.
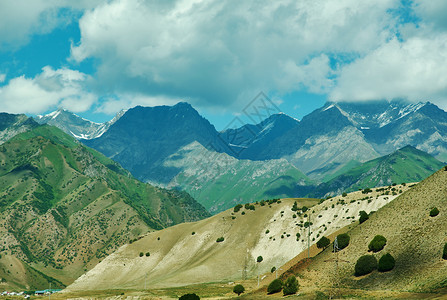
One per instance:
(113, 105)
(2, 77)
(48, 90)
(215, 52)
(20, 19)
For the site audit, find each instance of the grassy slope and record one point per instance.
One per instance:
(405, 165)
(178, 257)
(63, 210)
(219, 181)
(414, 239)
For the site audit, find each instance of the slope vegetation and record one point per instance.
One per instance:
(414, 238)
(65, 207)
(193, 253)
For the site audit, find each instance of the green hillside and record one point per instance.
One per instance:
(64, 207)
(404, 165)
(219, 181)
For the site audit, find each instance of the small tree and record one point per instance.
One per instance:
(238, 289)
(444, 253)
(363, 216)
(365, 265)
(290, 286)
(295, 206)
(274, 269)
(141, 254)
(189, 297)
(259, 259)
(237, 208)
(275, 286)
(434, 212)
(323, 243)
(343, 240)
(148, 254)
(221, 239)
(386, 263)
(377, 244)
(344, 194)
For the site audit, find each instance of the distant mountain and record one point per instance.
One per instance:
(219, 181)
(404, 165)
(63, 207)
(249, 141)
(145, 136)
(11, 125)
(75, 125)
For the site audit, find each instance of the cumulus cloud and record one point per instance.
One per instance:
(20, 19)
(48, 90)
(217, 52)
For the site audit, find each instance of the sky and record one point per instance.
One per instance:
(97, 57)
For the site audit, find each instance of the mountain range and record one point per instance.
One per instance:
(174, 146)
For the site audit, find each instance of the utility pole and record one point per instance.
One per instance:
(308, 236)
(336, 260)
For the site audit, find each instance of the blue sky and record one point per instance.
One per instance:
(97, 57)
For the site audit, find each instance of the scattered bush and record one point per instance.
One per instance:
(377, 244)
(275, 286)
(148, 254)
(221, 239)
(304, 209)
(344, 194)
(295, 206)
(363, 216)
(444, 253)
(434, 212)
(259, 259)
(323, 243)
(189, 297)
(237, 208)
(267, 231)
(365, 265)
(343, 240)
(192, 233)
(274, 269)
(238, 289)
(141, 254)
(386, 263)
(290, 286)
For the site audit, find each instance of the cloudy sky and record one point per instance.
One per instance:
(96, 57)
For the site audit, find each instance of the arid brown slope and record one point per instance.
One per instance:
(414, 239)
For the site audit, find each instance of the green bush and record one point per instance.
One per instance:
(323, 243)
(386, 263)
(434, 212)
(238, 289)
(295, 206)
(274, 269)
(237, 208)
(148, 254)
(444, 253)
(344, 194)
(221, 239)
(343, 240)
(259, 259)
(141, 254)
(363, 216)
(290, 286)
(189, 297)
(377, 244)
(275, 286)
(365, 265)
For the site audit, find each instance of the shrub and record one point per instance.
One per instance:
(238, 289)
(295, 206)
(377, 244)
(386, 263)
(343, 240)
(290, 286)
(363, 216)
(444, 253)
(192, 233)
(275, 286)
(323, 243)
(237, 208)
(148, 254)
(365, 265)
(274, 269)
(189, 297)
(344, 194)
(141, 254)
(304, 209)
(259, 259)
(434, 212)
(221, 239)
